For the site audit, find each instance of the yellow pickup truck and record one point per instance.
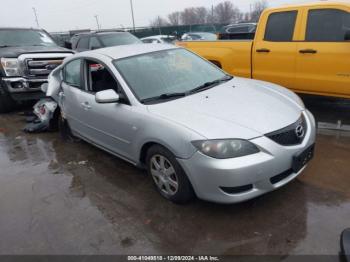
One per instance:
(303, 47)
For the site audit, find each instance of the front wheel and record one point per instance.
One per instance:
(168, 176)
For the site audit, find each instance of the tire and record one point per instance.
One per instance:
(168, 176)
(65, 130)
(54, 122)
(7, 104)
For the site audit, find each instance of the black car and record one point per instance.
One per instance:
(239, 31)
(27, 57)
(98, 40)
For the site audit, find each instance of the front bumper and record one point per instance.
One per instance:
(254, 174)
(21, 88)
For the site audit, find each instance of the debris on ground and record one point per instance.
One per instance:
(43, 113)
(81, 163)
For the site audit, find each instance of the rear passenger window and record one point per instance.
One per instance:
(83, 43)
(94, 43)
(280, 26)
(328, 25)
(72, 73)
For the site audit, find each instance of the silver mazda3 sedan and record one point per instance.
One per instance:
(197, 130)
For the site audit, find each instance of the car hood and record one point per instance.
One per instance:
(14, 52)
(240, 108)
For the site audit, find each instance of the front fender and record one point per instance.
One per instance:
(174, 137)
(54, 83)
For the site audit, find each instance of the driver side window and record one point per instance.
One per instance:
(99, 78)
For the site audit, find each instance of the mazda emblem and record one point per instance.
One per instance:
(299, 131)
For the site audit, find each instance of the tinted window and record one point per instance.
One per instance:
(94, 43)
(147, 41)
(119, 39)
(72, 73)
(83, 43)
(328, 25)
(239, 29)
(280, 26)
(168, 39)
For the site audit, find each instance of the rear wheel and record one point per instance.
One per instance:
(7, 104)
(168, 176)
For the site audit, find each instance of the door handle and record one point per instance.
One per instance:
(86, 105)
(307, 51)
(263, 50)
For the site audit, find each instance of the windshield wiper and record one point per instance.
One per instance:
(163, 97)
(210, 84)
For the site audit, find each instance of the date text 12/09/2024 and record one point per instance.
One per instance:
(173, 258)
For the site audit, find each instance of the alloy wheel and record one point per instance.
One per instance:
(164, 175)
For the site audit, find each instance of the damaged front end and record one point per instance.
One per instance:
(46, 110)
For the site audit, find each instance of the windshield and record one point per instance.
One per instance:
(166, 72)
(19, 37)
(119, 39)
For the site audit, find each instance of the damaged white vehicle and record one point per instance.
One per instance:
(197, 130)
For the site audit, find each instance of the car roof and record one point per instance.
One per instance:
(99, 33)
(197, 33)
(123, 51)
(241, 24)
(157, 36)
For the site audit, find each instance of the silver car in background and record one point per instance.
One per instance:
(197, 131)
(159, 39)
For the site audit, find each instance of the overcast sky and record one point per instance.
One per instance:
(61, 15)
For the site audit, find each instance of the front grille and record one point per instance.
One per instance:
(42, 67)
(293, 134)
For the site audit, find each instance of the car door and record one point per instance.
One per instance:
(323, 57)
(274, 48)
(71, 101)
(111, 125)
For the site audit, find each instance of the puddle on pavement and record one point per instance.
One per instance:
(71, 198)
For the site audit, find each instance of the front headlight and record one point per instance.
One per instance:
(10, 66)
(228, 148)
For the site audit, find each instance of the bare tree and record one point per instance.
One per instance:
(226, 13)
(159, 22)
(201, 14)
(258, 8)
(175, 18)
(188, 16)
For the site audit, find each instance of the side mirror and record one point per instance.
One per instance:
(44, 87)
(107, 97)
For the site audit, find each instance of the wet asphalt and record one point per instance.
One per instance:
(61, 197)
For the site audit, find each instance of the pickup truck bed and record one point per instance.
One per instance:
(234, 56)
(303, 47)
